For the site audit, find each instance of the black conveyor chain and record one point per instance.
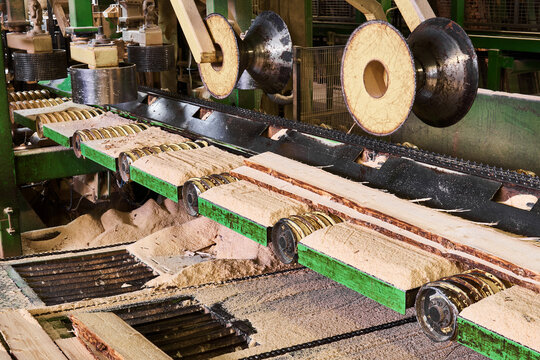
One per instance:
(330, 339)
(427, 157)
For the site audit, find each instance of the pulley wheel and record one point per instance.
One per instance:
(284, 241)
(378, 77)
(190, 196)
(447, 72)
(101, 86)
(40, 66)
(268, 49)
(220, 77)
(124, 163)
(153, 58)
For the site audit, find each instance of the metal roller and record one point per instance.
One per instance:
(36, 104)
(111, 85)
(63, 116)
(151, 58)
(40, 66)
(446, 72)
(126, 158)
(262, 60)
(287, 232)
(439, 303)
(28, 95)
(196, 186)
(104, 133)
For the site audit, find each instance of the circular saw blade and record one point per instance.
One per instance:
(153, 58)
(40, 66)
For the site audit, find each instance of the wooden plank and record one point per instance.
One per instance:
(114, 338)
(74, 349)
(153, 183)
(372, 9)
(491, 344)
(415, 12)
(381, 221)
(354, 279)
(26, 338)
(235, 222)
(196, 33)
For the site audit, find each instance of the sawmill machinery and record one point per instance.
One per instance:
(386, 82)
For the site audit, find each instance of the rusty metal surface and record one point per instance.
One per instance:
(83, 277)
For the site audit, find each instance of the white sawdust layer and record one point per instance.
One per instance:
(176, 167)
(261, 205)
(395, 262)
(513, 313)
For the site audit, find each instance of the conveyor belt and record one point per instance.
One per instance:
(445, 161)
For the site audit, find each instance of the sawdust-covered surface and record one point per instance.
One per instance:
(150, 137)
(68, 128)
(301, 306)
(176, 167)
(513, 313)
(393, 261)
(253, 202)
(113, 227)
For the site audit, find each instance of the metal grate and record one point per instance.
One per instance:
(318, 96)
(183, 330)
(332, 11)
(501, 15)
(84, 277)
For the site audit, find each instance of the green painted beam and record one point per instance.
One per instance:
(491, 344)
(80, 13)
(101, 158)
(235, 222)
(217, 7)
(56, 162)
(58, 138)
(508, 43)
(61, 87)
(10, 244)
(24, 121)
(155, 184)
(367, 285)
(458, 11)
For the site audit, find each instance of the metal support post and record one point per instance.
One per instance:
(10, 238)
(80, 13)
(458, 11)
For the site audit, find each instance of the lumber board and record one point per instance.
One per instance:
(26, 338)
(517, 262)
(74, 349)
(415, 12)
(114, 338)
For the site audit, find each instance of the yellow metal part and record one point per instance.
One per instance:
(28, 95)
(31, 43)
(63, 116)
(197, 36)
(35, 104)
(95, 56)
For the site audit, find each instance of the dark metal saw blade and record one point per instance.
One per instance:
(151, 58)
(40, 66)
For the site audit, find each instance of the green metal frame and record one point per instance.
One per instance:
(58, 138)
(80, 13)
(246, 227)
(24, 121)
(40, 164)
(491, 344)
(10, 243)
(353, 278)
(153, 183)
(61, 87)
(101, 158)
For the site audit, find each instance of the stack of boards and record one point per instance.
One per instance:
(387, 247)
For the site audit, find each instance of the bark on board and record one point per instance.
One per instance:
(440, 233)
(25, 338)
(114, 338)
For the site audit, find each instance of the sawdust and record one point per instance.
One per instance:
(176, 167)
(263, 206)
(390, 260)
(149, 137)
(113, 227)
(513, 313)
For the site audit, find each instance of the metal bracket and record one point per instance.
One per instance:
(10, 230)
